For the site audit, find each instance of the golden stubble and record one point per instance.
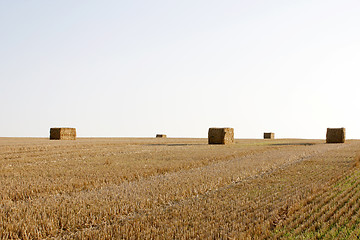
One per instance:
(122, 188)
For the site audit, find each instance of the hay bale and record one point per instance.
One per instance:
(269, 135)
(161, 136)
(62, 133)
(221, 135)
(335, 135)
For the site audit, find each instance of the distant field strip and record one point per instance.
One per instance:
(154, 189)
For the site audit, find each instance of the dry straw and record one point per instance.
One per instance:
(335, 135)
(161, 136)
(221, 135)
(62, 133)
(269, 135)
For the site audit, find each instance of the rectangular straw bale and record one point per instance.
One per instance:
(335, 135)
(269, 135)
(221, 135)
(62, 133)
(161, 136)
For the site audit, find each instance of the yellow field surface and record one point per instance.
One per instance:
(142, 188)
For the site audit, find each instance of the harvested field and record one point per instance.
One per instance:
(178, 188)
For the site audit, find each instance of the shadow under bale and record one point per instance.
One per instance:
(293, 144)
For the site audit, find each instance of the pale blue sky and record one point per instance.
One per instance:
(137, 68)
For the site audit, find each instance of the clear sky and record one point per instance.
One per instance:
(137, 68)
